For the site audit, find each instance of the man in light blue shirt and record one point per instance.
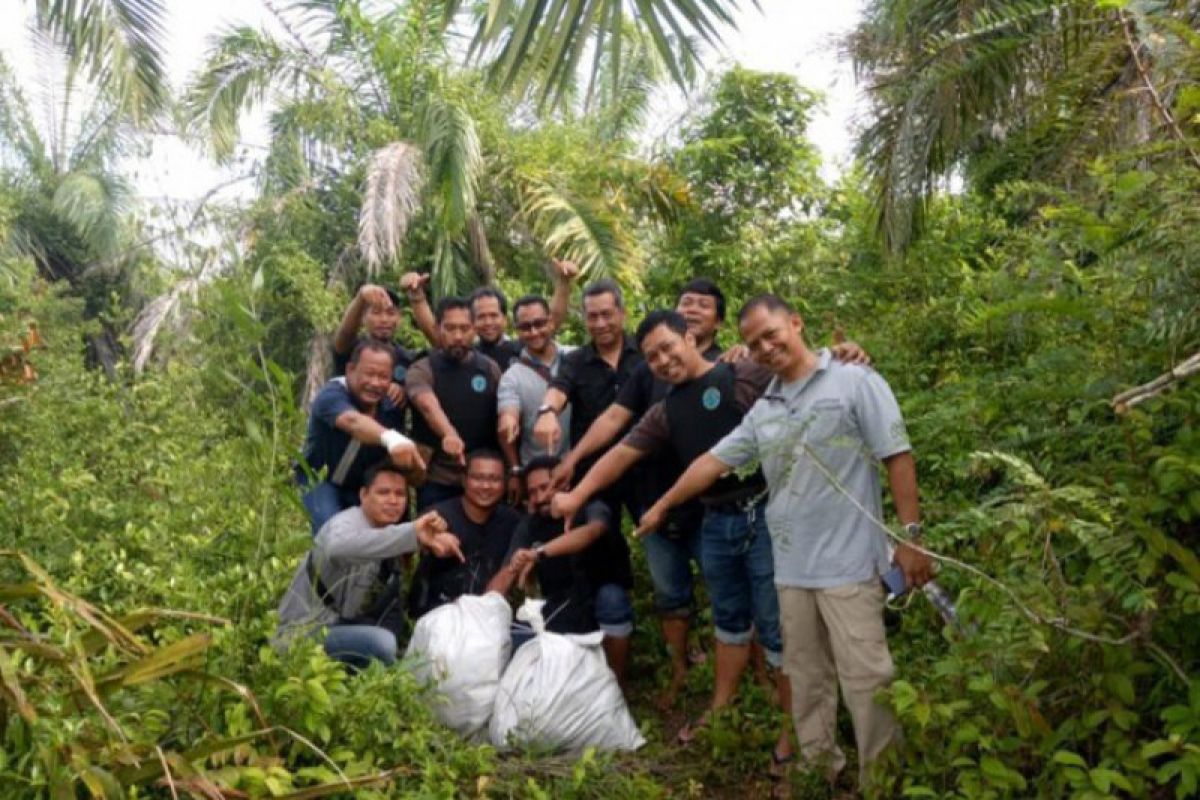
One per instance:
(819, 432)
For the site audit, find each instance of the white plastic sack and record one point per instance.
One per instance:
(559, 693)
(463, 646)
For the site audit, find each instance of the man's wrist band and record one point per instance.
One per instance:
(546, 408)
(393, 438)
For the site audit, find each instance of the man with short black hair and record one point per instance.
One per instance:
(345, 586)
(524, 384)
(570, 569)
(352, 424)
(483, 526)
(454, 393)
(376, 310)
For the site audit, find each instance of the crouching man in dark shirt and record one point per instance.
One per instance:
(483, 527)
(570, 566)
(341, 582)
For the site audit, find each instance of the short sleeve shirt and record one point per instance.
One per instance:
(523, 387)
(404, 359)
(591, 384)
(569, 582)
(819, 440)
(442, 580)
(325, 444)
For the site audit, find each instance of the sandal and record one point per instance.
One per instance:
(780, 764)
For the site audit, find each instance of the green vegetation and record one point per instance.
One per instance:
(147, 520)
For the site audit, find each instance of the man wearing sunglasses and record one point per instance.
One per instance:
(523, 386)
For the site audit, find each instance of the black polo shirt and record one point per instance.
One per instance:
(503, 351)
(643, 390)
(591, 385)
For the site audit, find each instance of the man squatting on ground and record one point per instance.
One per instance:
(337, 583)
(352, 425)
(565, 563)
(817, 432)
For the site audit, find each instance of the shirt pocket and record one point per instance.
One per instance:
(825, 425)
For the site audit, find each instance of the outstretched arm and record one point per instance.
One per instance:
(401, 449)
(703, 473)
(603, 473)
(606, 427)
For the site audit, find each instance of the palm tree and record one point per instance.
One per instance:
(998, 90)
(118, 43)
(59, 157)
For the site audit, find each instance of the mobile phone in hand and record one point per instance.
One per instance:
(893, 581)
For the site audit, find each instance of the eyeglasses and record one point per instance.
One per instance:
(533, 325)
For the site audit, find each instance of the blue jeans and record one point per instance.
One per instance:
(670, 562)
(359, 645)
(740, 572)
(614, 610)
(430, 494)
(322, 502)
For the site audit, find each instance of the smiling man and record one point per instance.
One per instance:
(706, 401)
(352, 424)
(820, 431)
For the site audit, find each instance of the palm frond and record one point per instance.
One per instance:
(120, 43)
(534, 42)
(576, 229)
(454, 158)
(151, 319)
(395, 179)
(93, 204)
(243, 65)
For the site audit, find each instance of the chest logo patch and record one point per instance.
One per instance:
(478, 384)
(711, 398)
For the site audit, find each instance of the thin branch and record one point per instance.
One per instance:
(1163, 111)
(1140, 394)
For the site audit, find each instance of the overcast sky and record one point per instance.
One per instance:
(796, 36)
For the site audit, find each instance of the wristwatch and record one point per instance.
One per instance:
(913, 530)
(546, 408)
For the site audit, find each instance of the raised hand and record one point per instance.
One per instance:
(565, 271)
(414, 283)
(374, 296)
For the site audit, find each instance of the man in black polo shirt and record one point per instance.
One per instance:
(484, 528)
(706, 402)
(582, 592)
(376, 311)
(454, 393)
(352, 425)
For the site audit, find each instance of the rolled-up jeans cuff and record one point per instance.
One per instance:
(726, 637)
(620, 630)
(682, 612)
(774, 659)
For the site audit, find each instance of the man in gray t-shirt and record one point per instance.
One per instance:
(819, 432)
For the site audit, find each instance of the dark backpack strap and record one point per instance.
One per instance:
(537, 366)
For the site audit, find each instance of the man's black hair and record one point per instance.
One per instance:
(380, 467)
(449, 304)
(771, 302)
(374, 346)
(669, 317)
(530, 300)
(489, 291)
(706, 287)
(544, 461)
(605, 286)
(484, 454)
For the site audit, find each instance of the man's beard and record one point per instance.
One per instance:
(457, 352)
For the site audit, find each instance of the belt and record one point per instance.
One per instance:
(735, 500)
